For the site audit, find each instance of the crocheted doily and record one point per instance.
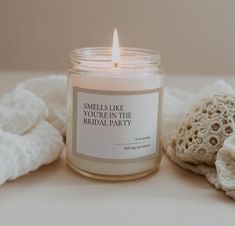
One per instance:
(202, 132)
(201, 137)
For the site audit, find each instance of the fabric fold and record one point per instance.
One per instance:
(32, 125)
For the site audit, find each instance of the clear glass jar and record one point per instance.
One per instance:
(114, 113)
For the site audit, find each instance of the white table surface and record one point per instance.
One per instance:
(56, 195)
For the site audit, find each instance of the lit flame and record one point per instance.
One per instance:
(115, 49)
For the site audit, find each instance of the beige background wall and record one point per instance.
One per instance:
(194, 36)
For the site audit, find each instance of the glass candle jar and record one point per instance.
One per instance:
(114, 113)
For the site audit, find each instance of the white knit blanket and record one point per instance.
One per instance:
(32, 126)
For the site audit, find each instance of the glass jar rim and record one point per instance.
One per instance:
(100, 58)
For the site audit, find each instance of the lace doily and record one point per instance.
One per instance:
(200, 135)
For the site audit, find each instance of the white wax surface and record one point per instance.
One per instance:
(127, 81)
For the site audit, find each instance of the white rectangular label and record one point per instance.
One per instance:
(116, 125)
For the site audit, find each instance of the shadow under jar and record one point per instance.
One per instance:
(114, 113)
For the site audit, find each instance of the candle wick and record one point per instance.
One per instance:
(115, 64)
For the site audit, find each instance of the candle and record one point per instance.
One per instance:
(114, 112)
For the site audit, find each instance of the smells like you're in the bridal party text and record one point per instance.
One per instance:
(106, 115)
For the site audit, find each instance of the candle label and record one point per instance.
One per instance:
(116, 125)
